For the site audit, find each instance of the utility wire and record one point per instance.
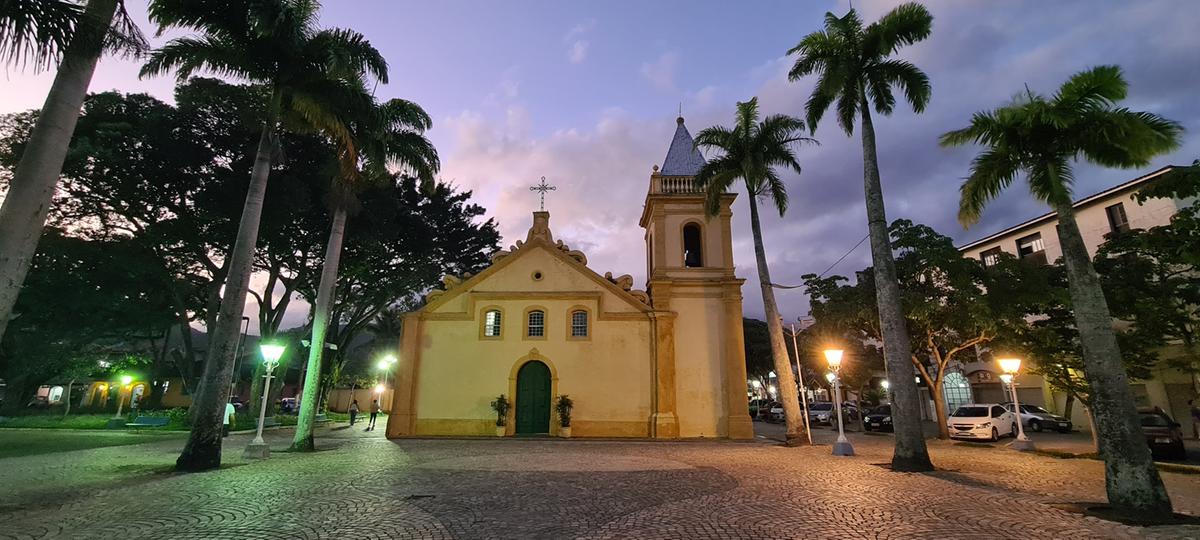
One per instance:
(835, 263)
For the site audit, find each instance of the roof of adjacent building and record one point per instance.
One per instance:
(683, 158)
(1136, 182)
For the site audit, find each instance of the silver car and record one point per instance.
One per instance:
(1038, 419)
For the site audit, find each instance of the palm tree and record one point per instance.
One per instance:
(311, 74)
(855, 70)
(389, 135)
(39, 30)
(1042, 137)
(750, 152)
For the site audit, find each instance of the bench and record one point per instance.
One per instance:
(148, 421)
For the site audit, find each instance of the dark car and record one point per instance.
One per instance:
(1162, 434)
(878, 419)
(757, 406)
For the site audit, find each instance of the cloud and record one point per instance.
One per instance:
(660, 73)
(578, 52)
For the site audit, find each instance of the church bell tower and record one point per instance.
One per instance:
(697, 300)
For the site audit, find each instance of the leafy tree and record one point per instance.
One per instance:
(1151, 277)
(113, 306)
(39, 29)
(856, 71)
(384, 135)
(311, 74)
(951, 304)
(1041, 137)
(750, 152)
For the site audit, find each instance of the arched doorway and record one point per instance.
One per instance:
(533, 399)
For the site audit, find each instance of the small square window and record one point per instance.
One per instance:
(579, 323)
(537, 324)
(491, 323)
(1118, 222)
(991, 256)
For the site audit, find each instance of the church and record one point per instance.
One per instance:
(662, 362)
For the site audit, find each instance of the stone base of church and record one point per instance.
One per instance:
(741, 427)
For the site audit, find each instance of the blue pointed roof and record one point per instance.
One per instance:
(683, 158)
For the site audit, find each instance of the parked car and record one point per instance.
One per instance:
(1038, 419)
(288, 405)
(775, 412)
(878, 419)
(757, 406)
(1163, 434)
(820, 412)
(987, 421)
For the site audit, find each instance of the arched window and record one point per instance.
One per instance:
(957, 390)
(492, 320)
(579, 323)
(536, 324)
(692, 252)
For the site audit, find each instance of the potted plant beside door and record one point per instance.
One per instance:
(562, 406)
(500, 405)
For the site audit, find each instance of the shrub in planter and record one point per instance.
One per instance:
(501, 406)
(562, 406)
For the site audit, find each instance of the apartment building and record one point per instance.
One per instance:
(1113, 210)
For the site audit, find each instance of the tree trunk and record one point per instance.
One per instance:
(67, 409)
(788, 394)
(1068, 406)
(203, 449)
(939, 405)
(910, 453)
(1131, 480)
(303, 440)
(23, 214)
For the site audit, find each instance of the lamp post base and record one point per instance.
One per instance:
(1021, 445)
(257, 450)
(843, 448)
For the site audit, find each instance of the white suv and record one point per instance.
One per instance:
(987, 421)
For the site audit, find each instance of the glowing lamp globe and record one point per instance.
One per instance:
(271, 352)
(390, 359)
(756, 384)
(885, 384)
(383, 365)
(829, 376)
(379, 389)
(126, 380)
(834, 357)
(1006, 377)
(1010, 365)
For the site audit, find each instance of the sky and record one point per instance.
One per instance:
(586, 94)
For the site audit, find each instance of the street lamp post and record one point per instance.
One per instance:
(385, 365)
(1010, 367)
(126, 380)
(842, 447)
(271, 353)
(803, 390)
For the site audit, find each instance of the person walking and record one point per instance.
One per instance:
(1195, 410)
(230, 414)
(353, 411)
(374, 413)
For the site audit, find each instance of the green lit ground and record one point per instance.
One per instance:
(30, 442)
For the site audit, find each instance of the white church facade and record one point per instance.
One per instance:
(664, 362)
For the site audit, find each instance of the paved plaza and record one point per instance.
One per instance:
(364, 486)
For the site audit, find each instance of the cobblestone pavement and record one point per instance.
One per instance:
(363, 486)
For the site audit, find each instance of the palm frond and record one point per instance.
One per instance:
(347, 52)
(1050, 180)
(992, 171)
(774, 187)
(35, 32)
(908, 77)
(190, 55)
(1093, 88)
(906, 24)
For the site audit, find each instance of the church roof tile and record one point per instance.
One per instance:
(683, 158)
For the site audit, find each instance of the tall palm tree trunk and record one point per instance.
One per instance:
(788, 394)
(910, 453)
(1131, 480)
(27, 204)
(203, 449)
(303, 441)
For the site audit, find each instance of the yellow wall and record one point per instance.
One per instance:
(699, 369)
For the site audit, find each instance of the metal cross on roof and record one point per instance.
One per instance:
(542, 188)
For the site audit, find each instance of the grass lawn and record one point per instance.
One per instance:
(29, 442)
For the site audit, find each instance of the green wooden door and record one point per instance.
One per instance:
(533, 399)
